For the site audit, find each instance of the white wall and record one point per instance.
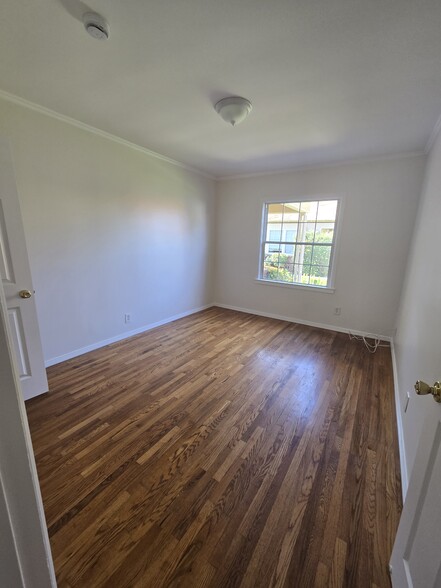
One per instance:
(418, 338)
(110, 230)
(379, 206)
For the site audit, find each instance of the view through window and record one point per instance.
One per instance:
(298, 242)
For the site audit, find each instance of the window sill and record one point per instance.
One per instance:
(311, 288)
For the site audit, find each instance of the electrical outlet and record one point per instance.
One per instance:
(127, 318)
(337, 311)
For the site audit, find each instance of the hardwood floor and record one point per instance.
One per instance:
(221, 450)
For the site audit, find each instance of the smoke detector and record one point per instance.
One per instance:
(96, 26)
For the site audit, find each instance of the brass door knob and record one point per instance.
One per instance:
(25, 293)
(422, 389)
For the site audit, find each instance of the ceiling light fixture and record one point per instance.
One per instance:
(233, 109)
(96, 26)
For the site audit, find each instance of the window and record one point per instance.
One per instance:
(298, 241)
(290, 236)
(275, 235)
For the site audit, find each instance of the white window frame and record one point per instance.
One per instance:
(330, 287)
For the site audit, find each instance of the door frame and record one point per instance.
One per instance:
(19, 486)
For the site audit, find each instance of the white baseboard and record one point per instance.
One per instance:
(128, 334)
(303, 322)
(403, 464)
(120, 337)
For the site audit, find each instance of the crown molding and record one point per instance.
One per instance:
(433, 135)
(89, 128)
(306, 167)
(9, 97)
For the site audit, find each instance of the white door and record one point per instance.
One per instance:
(25, 554)
(16, 278)
(416, 557)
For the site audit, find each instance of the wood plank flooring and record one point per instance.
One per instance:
(221, 450)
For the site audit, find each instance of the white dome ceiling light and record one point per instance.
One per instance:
(233, 109)
(96, 26)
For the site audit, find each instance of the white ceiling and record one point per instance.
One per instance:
(330, 80)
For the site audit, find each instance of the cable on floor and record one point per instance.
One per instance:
(371, 347)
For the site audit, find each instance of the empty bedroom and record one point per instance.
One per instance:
(220, 310)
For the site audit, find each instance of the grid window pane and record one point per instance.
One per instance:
(299, 237)
(271, 256)
(306, 232)
(303, 254)
(301, 273)
(305, 275)
(290, 236)
(289, 231)
(327, 210)
(320, 271)
(308, 211)
(267, 248)
(285, 273)
(269, 272)
(271, 266)
(275, 213)
(274, 235)
(318, 281)
(324, 232)
(291, 211)
(273, 229)
(321, 255)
